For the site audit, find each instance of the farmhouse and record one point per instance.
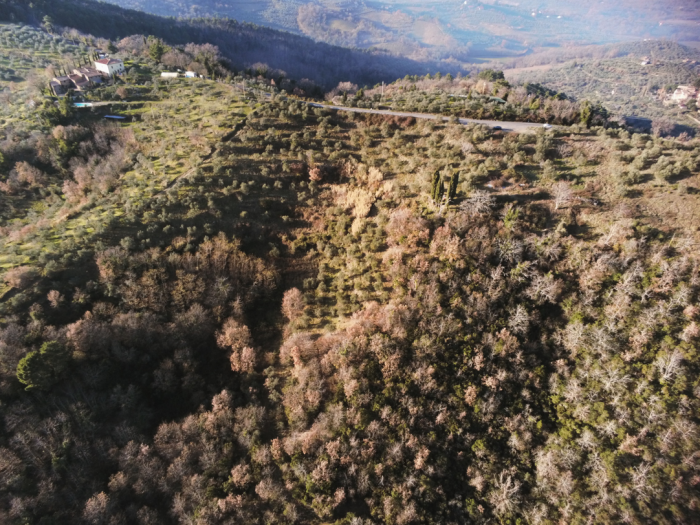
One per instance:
(90, 74)
(684, 93)
(59, 85)
(80, 83)
(81, 79)
(110, 66)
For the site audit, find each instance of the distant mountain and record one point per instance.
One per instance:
(243, 44)
(458, 29)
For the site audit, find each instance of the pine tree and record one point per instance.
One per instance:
(40, 370)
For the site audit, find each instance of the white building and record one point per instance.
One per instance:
(683, 93)
(110, 66)
(166, 74)
(190, 74)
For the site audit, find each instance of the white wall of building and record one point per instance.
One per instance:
(116, 68)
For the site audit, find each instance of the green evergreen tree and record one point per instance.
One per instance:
(156, 48)
(436, 183)
(40, 370)
(454, 181)
(65, 106)
(586, 113)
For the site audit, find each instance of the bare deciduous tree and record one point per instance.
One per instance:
(479, 202)
(519, 321)
(562, 194)
(669, 364)
(55, 298)
(292, 304)
(504, 496)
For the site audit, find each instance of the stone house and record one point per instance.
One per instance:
(110, 66)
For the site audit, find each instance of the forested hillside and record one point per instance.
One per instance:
(236, 308)
(242, 44)
(460, 30)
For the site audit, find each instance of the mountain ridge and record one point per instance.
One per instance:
(243, 44)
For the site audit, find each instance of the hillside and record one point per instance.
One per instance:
(460, 30)
(486, 96)
(243, 44)
(615, 76)
(236, 308)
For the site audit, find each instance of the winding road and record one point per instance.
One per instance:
(517, 127)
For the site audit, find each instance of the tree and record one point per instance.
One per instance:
(111, 48)
(662, 127)
(55, 298)
(47, 24)
(436, 186)
(519, 321)
(292, 304)
(478, 203)
(586, 114)
(562, 194)
(20, 276)
(491, 75)
(40, 370)
(454, 181)
(65, 107)
(236, 336)
(504, 496)
(156, 48)
(315, 174)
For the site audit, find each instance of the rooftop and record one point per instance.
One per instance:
(88, 71)
(108, 61)
(77, 79)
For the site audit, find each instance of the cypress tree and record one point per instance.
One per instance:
(440, 192)
(453, 185)
(435, 188)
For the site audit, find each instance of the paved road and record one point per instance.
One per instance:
(518, 127)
